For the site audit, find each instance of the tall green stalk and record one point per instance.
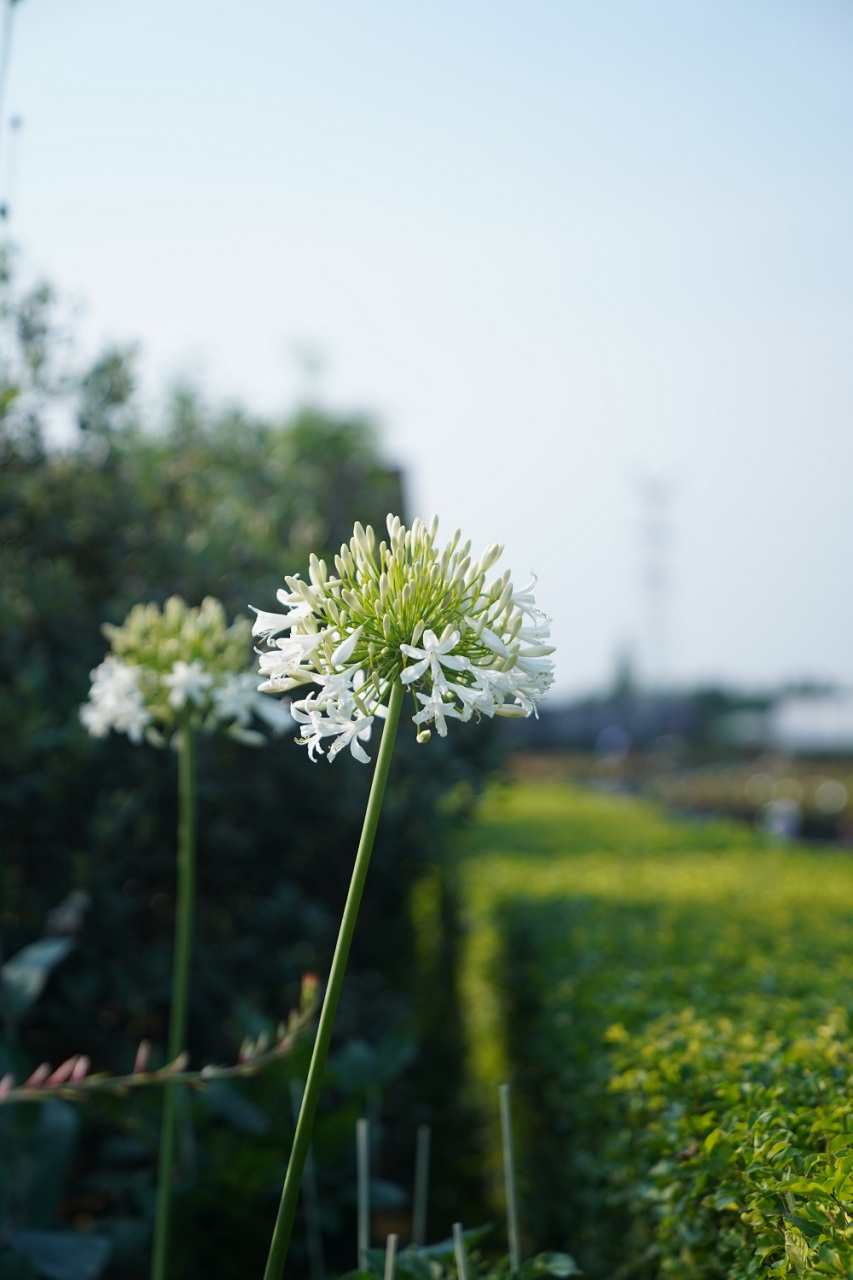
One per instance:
(184, 908)
(305, 1123)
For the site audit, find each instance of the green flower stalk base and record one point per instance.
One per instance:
(180, 990)
(305, 1123)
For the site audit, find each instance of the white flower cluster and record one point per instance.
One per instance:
(407, 611)
(144, 689)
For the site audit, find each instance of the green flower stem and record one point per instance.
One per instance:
(304, 1125)
(180, 989)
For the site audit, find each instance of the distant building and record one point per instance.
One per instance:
(818, 724)
(607, 725)
(815, 721)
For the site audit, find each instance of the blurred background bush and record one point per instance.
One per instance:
(198, 503)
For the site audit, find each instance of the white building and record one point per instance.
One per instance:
(820, 724)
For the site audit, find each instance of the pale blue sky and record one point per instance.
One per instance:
(557, 247)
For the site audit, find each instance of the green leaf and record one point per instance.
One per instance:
(797, 1251)
(411, 1264)
(63, 1255)
(712, 1139)
(446, 1248)
(726, 1198)
(23, 977)
(549, 1264)
(807, 1187)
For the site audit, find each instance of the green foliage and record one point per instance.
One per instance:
(201, 503)
(23, 977)
(439, 1262)
(37, 1145)
(735, 1156)
(665, 997)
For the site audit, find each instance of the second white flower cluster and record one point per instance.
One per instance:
(174, 667)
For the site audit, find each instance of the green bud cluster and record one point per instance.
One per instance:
(398, 589)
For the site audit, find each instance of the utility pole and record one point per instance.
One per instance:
(655, 535)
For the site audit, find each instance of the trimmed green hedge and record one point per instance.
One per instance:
(735, 1155)
(668, 999)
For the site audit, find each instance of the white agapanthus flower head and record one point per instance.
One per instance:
(404, 610)
(176, 667)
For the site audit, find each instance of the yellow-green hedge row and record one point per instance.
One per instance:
(646, 985)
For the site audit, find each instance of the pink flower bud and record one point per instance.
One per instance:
(142, 1054)
(80, 1070)
(62, 1072)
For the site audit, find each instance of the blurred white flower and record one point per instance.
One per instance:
(116, 701)
(235, 697)
(179, 666)
(476, 649)
(187, 682)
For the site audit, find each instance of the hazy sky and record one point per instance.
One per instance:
(559, 248)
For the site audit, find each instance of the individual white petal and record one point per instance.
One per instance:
(271, 624)
(276, 715)
(408, 674)
(494, 642)
(536, 666)
(455, 661)
(449, 640)
(345, 650)
(283, 684)
(358, 751)
(534, 634)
